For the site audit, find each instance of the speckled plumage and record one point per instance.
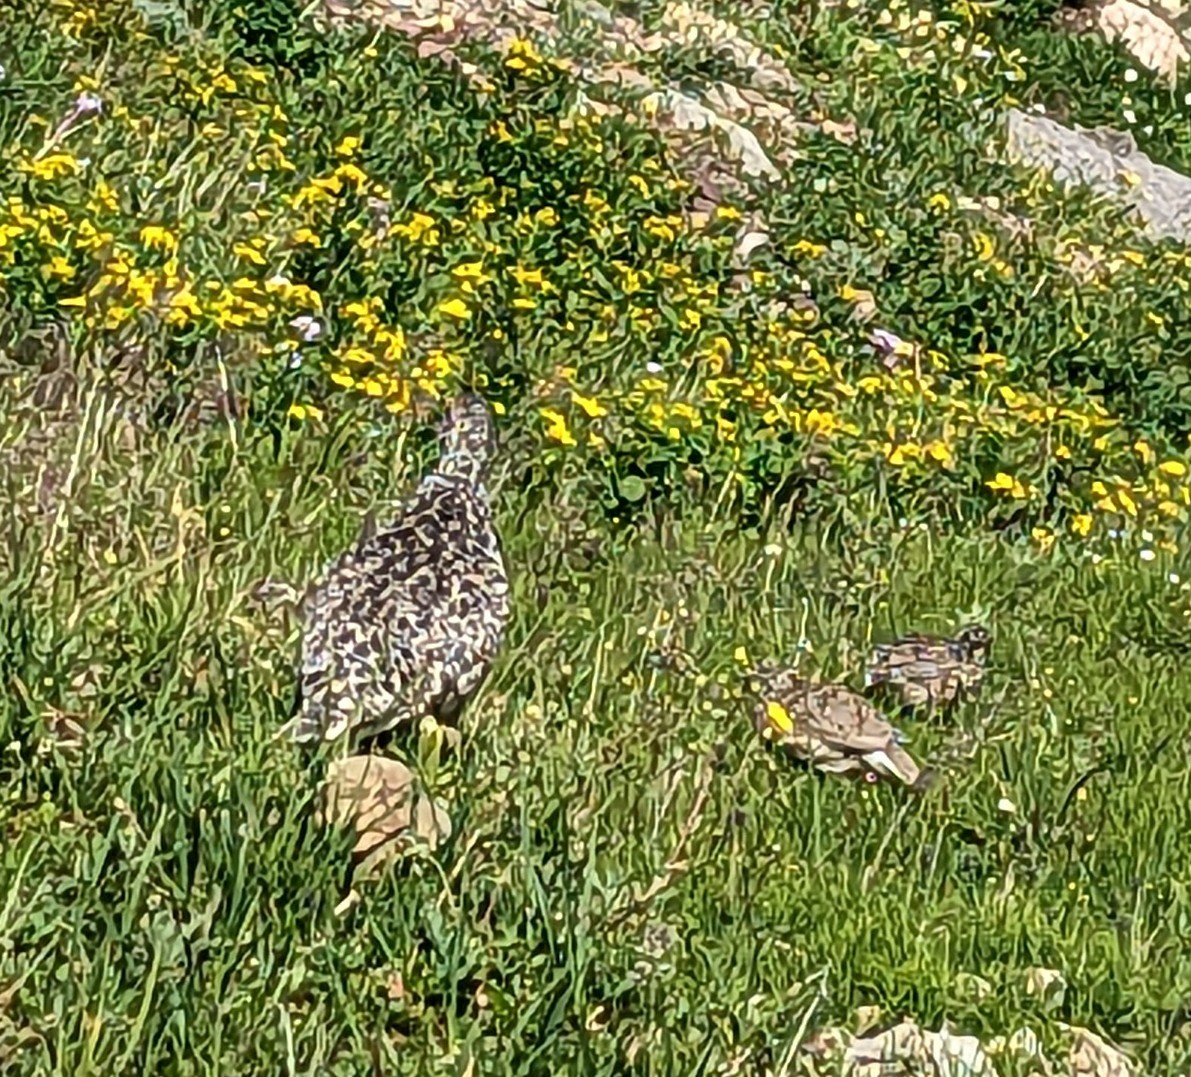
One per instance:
(829, 726)
(406, 623)
(928, 670)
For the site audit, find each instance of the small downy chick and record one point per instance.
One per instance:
(829, 726)
(928, 669)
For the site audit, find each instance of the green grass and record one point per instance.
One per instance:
(634, 882)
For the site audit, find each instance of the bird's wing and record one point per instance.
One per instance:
(347, 670)
(912, 658)
(847, 721)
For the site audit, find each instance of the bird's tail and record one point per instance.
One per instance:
(303, 729)
(895, 762)
(321, 711)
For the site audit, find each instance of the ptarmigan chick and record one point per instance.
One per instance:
(406, 623)
(927, 670)
(829, 726)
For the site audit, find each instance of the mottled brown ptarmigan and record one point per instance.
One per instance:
(829, 726)
(406, 623)
(928, 670)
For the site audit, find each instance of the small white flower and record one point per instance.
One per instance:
(1147, 536)
(884, 340)
(772, 550)
(308, 328)
(1148, 129)
(1130, 75)
(1114, 534)
(1130, 116)
(653, 368)
(1147, 555)
(1187, 99)
(87, 103)
(1096, 559)
(1006, 805)
(1173, 577)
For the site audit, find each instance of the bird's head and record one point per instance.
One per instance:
(976, 640)
(770, 678)
(774, 686)
(466, 438)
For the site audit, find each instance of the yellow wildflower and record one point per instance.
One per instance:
(527, 276)
(821, 422)
(1012, 398)
(469, 271)
(1044, 537)
(522, 55)
(811, 250)
(455, 308)
(1081, 523)
(937, 450)
(51, 166)
(779, 716)
(1173, 467)
(60, 268)
(591, 407)
(153, 235)
(556, 427)
(248, 253)
(983, 245)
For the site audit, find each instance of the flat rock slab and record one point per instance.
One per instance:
(1109, 164)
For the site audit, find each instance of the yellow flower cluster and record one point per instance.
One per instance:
(666, 355)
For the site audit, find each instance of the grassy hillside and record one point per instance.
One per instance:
(234, 285)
